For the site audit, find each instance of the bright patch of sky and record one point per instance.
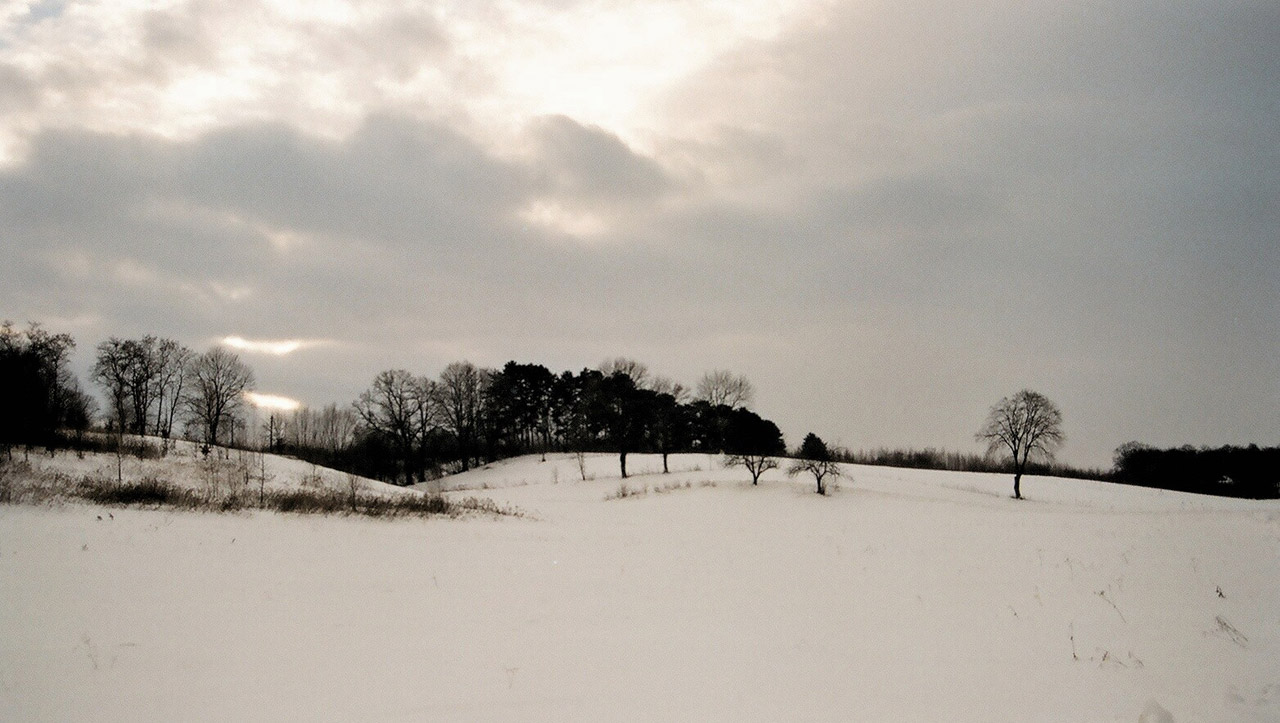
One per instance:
(178, 69)
(274, 348)
(272, 402)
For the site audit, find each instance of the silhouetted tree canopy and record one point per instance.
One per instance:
(1252, 472)
(38, 393)
(1024, 426)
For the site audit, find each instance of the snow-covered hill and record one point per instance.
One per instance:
(906, 595)
(187, 465)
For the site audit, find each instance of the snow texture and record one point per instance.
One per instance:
(904, 595)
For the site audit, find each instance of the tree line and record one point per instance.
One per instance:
(403, 428)
(1251, 472)
(469, 415)
(408, 428)
(149, 385)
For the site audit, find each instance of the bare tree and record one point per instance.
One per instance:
(638, 371)
(815, 459)
(329, 428)
(393, 408)
(143, 380)
(1025, 425)
(216, 394)
(274, 428)
(461, 397)
(756, 464)
(143, 374)
(111, 372)
(336, 427)
(667, 385)
(720, 386)
(174, 361)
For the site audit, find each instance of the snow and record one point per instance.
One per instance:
(905, 595)
(185, 465)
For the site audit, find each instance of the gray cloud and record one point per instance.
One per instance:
(1045, 197)
(591, 163)
(888, 219)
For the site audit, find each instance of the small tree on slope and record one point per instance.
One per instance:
(752, 442)
(815, 459)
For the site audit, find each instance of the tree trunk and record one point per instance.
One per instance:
(622, 462)
(1017, 485)
(664, 464)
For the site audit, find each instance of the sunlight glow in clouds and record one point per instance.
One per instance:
(500, 64)
(596, 63)
(272, 402)
(274, 348)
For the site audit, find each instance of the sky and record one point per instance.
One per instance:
(887, 215)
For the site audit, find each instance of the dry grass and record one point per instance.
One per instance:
(20, 485)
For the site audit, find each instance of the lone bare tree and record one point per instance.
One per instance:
(1025, 425)
(720, 386)
(815, 458)
(216, 390)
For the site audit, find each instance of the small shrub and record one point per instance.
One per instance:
(486, 506)
(624, 491)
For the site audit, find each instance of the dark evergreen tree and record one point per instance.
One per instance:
(752, 442)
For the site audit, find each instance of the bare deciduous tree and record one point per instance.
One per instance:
(755, 464)
(1025, 425)
(461, 395)
(638, 371)
(217, 386)
(143, 380)
(143, 373)
(393, 408)
(667, 385)
(720, 386)
(336, 428)
(174, 361)
(111, 372)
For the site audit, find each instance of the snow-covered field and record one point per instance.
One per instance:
(906, 595)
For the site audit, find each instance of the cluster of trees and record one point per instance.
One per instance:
(469, 415)
(150, 383)
(40, 394)
(1252, 472)
(408, 428)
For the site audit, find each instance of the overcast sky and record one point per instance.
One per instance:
(888, 215)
